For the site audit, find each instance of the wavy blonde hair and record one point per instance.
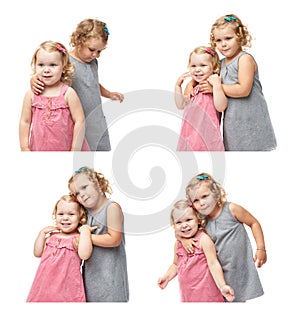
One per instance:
(53, 46)
(244, 38)
(86, 29)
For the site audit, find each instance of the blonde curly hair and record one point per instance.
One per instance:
(86, 29)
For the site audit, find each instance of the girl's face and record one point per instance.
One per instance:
(49, 67)
(227, 42)
(204, 201)
(185, 222)
(200, 67)
(91, 49)
(86, 192)
(67, 216)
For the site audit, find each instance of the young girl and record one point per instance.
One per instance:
(53, 121)
(88, 41)
(62, 248)
(200, 275)
(247, 125)
(200, 130)
(105, 273)
(225, 226)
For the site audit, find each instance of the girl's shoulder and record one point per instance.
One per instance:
(246, 58)
(29, 95)
(237, 211)
(113, 205)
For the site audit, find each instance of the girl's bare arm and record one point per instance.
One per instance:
(244, 216)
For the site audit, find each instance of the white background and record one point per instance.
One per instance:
(148, 49)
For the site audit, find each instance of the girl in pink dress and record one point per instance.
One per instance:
(200, 129)
(53, 121)
(62, 248)
(200, 274)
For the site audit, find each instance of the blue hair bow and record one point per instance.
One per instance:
(202, 177)
(83, 169)
(106, 30)
(230, 18)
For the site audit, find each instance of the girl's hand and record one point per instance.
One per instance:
(214, 80)
(115, 96)
(227, 292)
(87, 228)
(205, 87)
(36, 85)
(162, 282)
(260, 257)
(49, 229)
(189, 244)
(182, 78)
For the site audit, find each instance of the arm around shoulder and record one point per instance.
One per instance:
(247, 68)
(114, 234)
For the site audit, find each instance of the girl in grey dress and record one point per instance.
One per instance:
(105, 272)
(88, 41)
(225, 226)
(246, 125)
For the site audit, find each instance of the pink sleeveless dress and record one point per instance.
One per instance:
(52, 125)
(58, 277)
(200, 129)
(195, 280)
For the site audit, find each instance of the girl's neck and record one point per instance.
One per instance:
(228, 60)
(53, 90)
(67, 235)
(101, 202)
(74, 53)
(216, 212)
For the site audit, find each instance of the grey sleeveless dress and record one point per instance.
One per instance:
(234, 252)
(247, 125)
(105, 272)
(86, 84)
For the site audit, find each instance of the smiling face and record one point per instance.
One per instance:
(200, 66)
(67, 216)
(186, 223)
(49, 67)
